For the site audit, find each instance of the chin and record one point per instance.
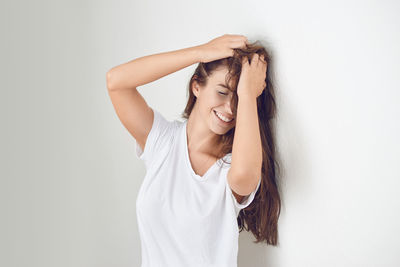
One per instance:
(218, 127)
(218, 131)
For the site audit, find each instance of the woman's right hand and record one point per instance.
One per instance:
(221, 47)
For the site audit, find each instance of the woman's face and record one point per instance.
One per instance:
(215, 98)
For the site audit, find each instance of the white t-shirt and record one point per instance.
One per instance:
(184, 219)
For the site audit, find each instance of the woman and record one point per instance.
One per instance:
(202, 174)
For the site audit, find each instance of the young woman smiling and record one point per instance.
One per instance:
(210, 174)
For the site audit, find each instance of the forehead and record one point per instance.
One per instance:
(218, 78)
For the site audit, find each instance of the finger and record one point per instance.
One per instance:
(261, 58)
(260, 61)
(245, 61)
(246, 41)
(263, 61)
(243, 38)
(238, 44)
(238, 38)
(254, 59)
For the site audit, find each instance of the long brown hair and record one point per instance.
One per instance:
(261, 216)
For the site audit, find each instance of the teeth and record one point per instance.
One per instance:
(222, 117)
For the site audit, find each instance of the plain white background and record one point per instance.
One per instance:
(69, 177)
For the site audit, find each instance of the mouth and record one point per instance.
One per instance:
(221, 119)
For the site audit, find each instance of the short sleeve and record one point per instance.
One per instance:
(246, 201)
(158, 140)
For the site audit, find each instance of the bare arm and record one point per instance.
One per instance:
(246, 150)
(150, 68)
(130, 106)
(247, 157)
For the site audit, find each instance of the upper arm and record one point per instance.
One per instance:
(133, 112)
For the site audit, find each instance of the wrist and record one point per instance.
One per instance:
(197, 53)
(247, 95)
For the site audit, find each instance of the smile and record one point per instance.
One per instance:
(222, 118)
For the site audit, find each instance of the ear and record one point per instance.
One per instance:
(196, 88)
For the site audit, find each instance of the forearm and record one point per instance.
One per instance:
(247, 149)
(151, 67)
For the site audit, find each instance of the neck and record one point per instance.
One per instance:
(200, 139)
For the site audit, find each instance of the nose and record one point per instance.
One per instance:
(230, 105)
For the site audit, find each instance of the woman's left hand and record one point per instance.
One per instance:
(252, 77)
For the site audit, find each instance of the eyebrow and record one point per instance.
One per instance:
(224, 85)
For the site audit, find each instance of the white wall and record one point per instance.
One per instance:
(69, 177)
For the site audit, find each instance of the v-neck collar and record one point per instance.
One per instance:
(187, 158)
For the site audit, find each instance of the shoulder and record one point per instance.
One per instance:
(160, 138)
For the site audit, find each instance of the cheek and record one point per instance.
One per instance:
(216, 101)
(211, 103)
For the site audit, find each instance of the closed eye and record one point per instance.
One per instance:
(222, 93)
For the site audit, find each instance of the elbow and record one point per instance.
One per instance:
(243, 182)
(109, 81)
